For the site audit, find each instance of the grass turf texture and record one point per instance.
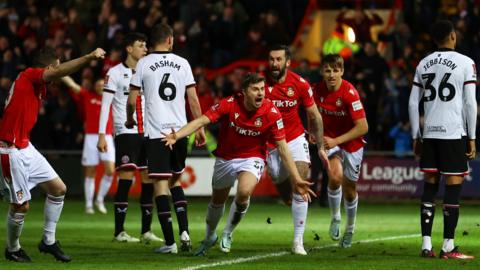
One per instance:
(88, 239)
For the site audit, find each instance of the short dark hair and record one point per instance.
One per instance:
(441, 30)
(131, 37)
(44, 57)
(251, 78)
(332, 60)
(160, 33)
(281, 47)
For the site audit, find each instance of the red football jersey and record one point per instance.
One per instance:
(245, 134)
(90, 104)
(287, 97)
(339, 110)
(22, 106)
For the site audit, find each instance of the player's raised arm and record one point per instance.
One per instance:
(300, 186)
(58, 71)
(70, 83)
(186, 130)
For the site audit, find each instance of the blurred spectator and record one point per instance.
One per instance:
(273, 30)
(312, 75)
(361, 23)
(402, 137)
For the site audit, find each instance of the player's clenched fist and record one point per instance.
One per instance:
(98, 53)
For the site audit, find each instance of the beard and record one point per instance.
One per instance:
(277, 74)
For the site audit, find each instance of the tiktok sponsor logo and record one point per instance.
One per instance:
(284, 103)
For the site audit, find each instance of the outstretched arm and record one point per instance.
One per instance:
(172, 138)
(70, 83)
(71, 66)
(315, 127)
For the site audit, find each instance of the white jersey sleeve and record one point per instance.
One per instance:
(413, 103)
(470, 101)
(137, 76)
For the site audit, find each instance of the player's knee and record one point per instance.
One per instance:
(19, 208)
(243, 196)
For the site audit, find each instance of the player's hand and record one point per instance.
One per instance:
(322, 154)
(200, 137)
(170, 139)
(130, 123)
(98, 53)
(329, 143)
(302, 187)
(417, 147)
(471, 149)
(102, 143)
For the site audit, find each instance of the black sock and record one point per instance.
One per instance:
(427, 208)
(180, 205)
(165, 218)
(121, 204)
(146, 205)
(451, 210)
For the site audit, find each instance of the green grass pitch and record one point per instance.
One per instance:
(391, 232)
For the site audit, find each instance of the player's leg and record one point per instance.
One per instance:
(453, 165)
(42, 174)
(224, 177)
(299, 212)
(427, 211)
(120, 205)
(246, 184)
(108, 160)
(248, 172)
(335, 178)
(180, 204)
(160, 171)
(351, 166)
(15, 176)
(279, 176)
(105, 183)
(55, 190)
(146, 208)
(90, 160)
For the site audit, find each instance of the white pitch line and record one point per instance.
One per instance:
(283, 253)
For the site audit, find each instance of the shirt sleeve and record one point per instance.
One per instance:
(217, 110)
(355, 106)
(107, 99)
(470, 100)
(306, 93)
(413, 104)
(277, 130)
(110, 84)
(189, 79)
(137, 74)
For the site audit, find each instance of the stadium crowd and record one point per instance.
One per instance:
(212, 34)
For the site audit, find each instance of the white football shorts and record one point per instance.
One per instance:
(91, 156)
(351, 162)
(225, 172)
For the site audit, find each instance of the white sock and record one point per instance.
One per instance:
(448, 245)
(426, 242)
(52, 211)
(299, 213)
(104, 187)
(89, 191)
(334, 200)
(237, 211)
(351, 213)
(14, 229)
(214, 214)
